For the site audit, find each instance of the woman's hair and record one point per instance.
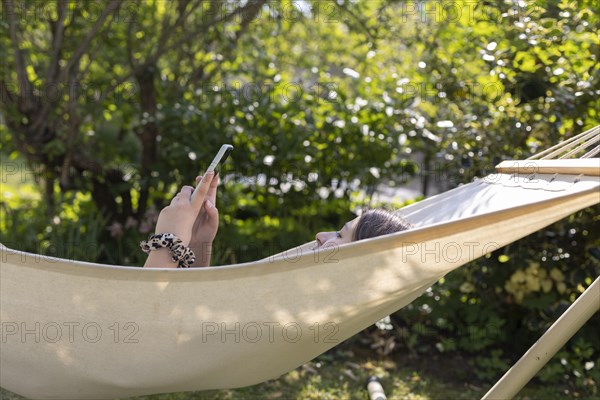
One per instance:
(377, 222)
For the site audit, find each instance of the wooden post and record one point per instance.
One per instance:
(546, 347)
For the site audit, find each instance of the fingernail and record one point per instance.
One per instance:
(209, 204)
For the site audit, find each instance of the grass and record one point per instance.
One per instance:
(342, 376)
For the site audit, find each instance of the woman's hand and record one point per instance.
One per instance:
(179, 219)
(206, 225)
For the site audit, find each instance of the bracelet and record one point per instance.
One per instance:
(180, 254)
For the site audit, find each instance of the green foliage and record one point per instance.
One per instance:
(490, 366)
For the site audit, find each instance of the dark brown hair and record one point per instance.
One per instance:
(377, 222)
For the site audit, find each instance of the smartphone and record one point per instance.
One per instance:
(217, 162)
(220, 158)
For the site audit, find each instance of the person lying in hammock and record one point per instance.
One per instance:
(187, 227)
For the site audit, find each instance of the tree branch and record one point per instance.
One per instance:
(373, 36)
(167, 31)
(57, 35)
(112, 6)
(27, 103)
(205, 27)
(199, 73)
(69, 73)
(92, 54)
(6, 97)
(129, 46)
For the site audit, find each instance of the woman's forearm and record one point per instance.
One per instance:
(191, 219)
(203, 254)
(160, 258)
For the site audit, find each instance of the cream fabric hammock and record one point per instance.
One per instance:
(78, 330)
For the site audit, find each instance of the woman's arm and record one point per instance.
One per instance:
(206, 226)
(179, 218)
(159, 258)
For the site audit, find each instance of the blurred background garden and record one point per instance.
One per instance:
(108, 107)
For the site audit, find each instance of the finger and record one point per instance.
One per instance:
(212, 190)
(186, 192)
(202, 189)
(198, 179)
(212, 213)
(210, 208)
(208, 176)
(176, 198)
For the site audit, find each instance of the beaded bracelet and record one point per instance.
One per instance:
(180, 254)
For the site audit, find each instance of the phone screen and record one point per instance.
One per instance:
(220, 158)
(217, 162)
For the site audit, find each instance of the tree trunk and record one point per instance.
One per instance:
(148, 132)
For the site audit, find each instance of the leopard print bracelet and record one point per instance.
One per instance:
(180, 254)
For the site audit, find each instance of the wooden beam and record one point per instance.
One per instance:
(585, 166)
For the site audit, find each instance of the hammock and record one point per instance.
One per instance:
(78, 330)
